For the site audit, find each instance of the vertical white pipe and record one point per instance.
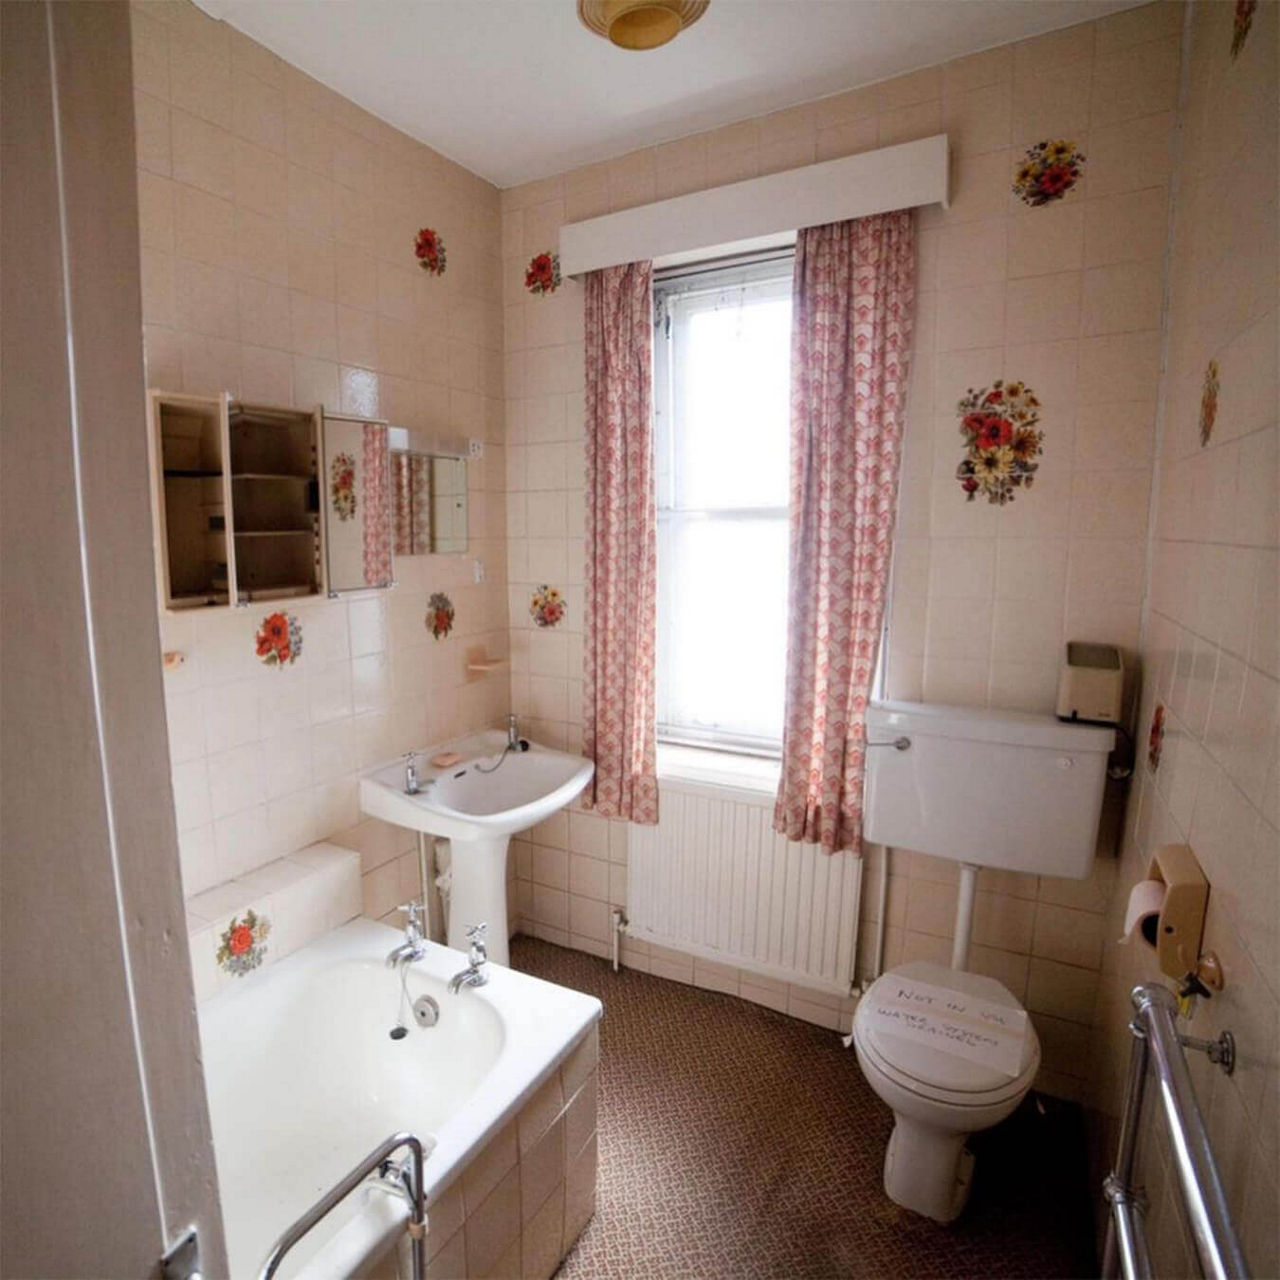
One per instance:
(964, 915)
(619, 921)
(882, 922)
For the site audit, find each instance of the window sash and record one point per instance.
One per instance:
(676, 302)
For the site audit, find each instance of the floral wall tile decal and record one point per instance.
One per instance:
(546, 608)
(439, 615)
(1047, 172)
(543, 273)
(1155, 739)
(279, 640)
(342, 485)
(998, 424)
(1241, 25)
(1208, 402)
(243, 944)
(428, 248)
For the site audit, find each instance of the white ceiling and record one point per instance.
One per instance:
(518, 89)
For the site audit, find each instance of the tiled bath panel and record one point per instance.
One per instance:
(736, 1141)
(520, 1204)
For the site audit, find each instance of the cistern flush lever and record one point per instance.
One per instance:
(898, 744)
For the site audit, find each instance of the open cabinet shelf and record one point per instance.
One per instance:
(236, 501)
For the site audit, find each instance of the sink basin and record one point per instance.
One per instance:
(478, 812)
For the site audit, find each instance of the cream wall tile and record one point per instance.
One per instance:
(152, 135)
(1122, 298)
(970, 317)
(1130, 156)
(1126, 227)
(203, 154)
(1047, 241)
(1044, 308)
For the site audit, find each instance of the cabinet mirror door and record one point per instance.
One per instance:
(357, 507)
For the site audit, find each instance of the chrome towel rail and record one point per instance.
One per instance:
(1156, 1041)
(378, 1160)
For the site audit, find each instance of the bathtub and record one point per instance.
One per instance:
(304, 1080)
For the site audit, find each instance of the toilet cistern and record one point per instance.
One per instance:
(949, 795)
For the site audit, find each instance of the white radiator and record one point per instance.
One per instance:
(715, 880)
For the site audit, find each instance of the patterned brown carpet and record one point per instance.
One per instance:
(738, 1142)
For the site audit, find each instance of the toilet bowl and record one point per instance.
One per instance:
(938, 1098)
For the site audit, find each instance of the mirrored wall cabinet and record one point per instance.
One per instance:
(236, 501)
(261, 502)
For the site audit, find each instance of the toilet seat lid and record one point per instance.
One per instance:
(933, 1068)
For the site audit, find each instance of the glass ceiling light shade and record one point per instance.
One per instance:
(640, 24)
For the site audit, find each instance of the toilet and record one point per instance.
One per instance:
(949, 1051)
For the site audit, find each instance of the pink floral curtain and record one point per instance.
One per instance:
(619, 731)
(851, 331)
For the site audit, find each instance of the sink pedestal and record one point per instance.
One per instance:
(478, 893)
(478, 803)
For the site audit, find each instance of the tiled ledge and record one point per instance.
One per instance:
(292, 900)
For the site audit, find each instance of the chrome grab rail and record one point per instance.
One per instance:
(1156, 1039)
(377, 1159)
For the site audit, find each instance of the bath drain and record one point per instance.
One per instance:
(399, 1033)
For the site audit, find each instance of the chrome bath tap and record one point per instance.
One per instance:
(414, 946)
(474, 975)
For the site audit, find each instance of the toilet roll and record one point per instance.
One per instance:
(1142, 919)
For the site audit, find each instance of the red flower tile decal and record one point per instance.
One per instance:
(1241, 24)
(279, 639)
(1048, 171)
(546, 608)
(243, 944)
(543, 273)
(1155, 740)
(428, 248)
(439, 615)
(342, 485)
(1208, 402)
(1001, 441)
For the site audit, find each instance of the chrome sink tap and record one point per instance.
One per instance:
(414, 946)
(475, 974)
(412, 783)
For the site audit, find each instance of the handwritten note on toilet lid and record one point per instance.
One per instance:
(951, 1022)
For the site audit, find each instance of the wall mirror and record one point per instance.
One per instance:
(429, 495)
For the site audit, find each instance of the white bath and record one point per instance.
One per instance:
(304, 1080)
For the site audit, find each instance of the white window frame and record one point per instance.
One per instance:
(765, 273)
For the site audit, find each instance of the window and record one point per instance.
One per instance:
(722, 373)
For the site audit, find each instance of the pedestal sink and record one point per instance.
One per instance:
(478, 811)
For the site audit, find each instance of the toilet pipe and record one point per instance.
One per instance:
(619, 918)
(881, 921)
(964, 916)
